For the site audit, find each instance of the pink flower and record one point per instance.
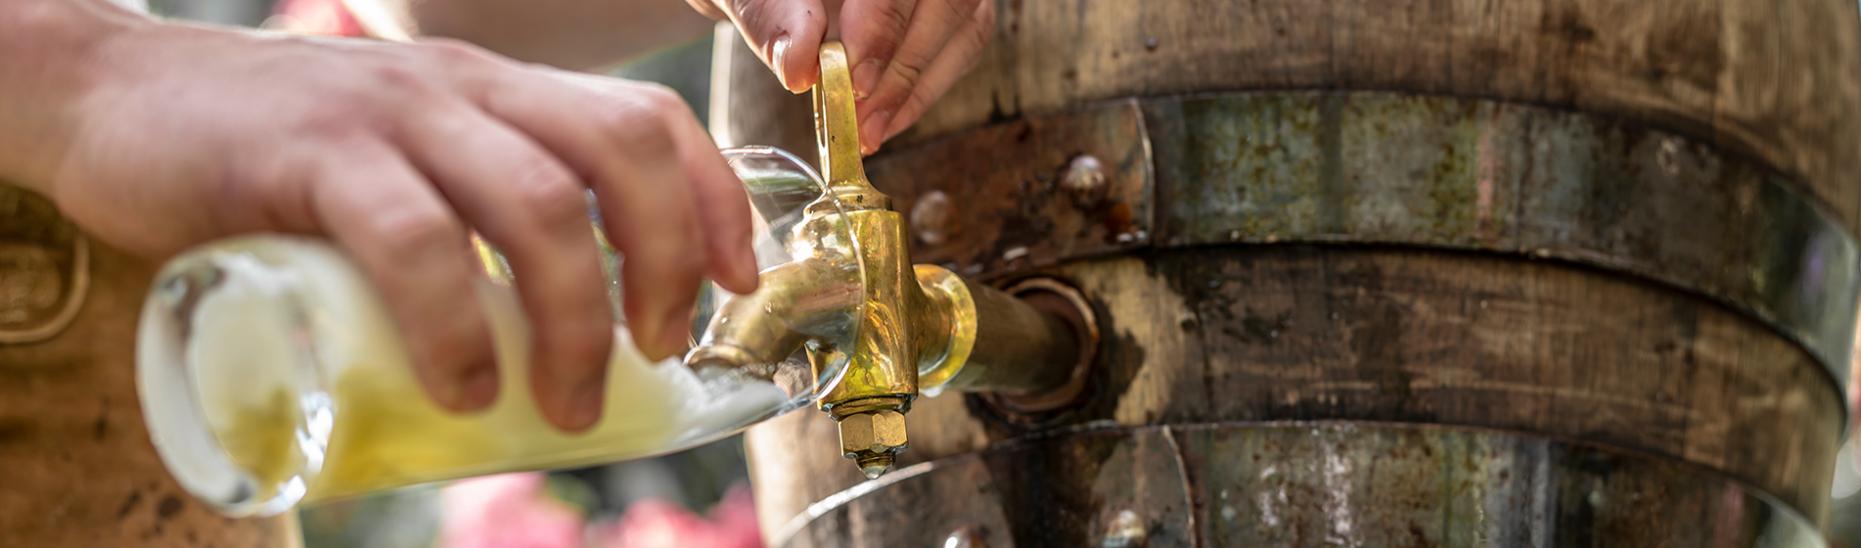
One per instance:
(507, 511)
(317, 17)
(656, 524)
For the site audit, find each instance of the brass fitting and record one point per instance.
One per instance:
(903, 320)
(873, 439)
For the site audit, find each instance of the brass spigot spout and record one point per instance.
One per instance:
(863, 306)
(756, 331)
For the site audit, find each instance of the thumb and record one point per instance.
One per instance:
(785, 34)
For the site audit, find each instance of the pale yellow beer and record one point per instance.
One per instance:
(271, 374)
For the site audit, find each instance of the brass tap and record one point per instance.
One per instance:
(904, 320)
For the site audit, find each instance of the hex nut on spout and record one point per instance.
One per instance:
(873, 439)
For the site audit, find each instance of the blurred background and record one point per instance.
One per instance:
(695, 499)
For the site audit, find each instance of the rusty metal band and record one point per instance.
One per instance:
(1386, 168)
(1276, 484)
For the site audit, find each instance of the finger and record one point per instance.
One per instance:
(932, 25)
(723, 206)
(404, 237)
(722, 201)
(786, 35)
(625, 144)
(535, 210)
(872, 30)
(964, 50)
(706, 8)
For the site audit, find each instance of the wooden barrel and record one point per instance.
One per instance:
(76, 465)
(1408, 273)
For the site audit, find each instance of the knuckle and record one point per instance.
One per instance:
(551, 197)
(641, 133)
(394, 85)
(398, 76)
(706, 8)
(277, 188)
(909, 67)
(660, 97)
(910, 63)
(894, 18)
(456, 53)
(752, 10)
(765, 19)
(412, 233)
(645, 139)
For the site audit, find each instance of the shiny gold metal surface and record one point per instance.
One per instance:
(905, 320)
(871, 438)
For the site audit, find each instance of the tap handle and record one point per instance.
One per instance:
(836, 122)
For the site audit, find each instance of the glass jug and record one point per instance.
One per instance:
(270, 374)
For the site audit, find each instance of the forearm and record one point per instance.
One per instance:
(574, 34)
(44, 72)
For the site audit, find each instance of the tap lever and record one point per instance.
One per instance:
(855, 303)
(836, 122)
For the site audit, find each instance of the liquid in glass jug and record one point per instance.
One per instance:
(271, 375)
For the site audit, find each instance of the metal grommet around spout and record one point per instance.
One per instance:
(1067, 303)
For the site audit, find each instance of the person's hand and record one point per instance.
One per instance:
(397, 153)
(904, 54)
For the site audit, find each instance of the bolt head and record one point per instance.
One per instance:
(931, 218)
(874, 432)
(1084, 177)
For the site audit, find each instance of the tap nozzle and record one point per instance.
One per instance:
(855, 301)
(873, 438)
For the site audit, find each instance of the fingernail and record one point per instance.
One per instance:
(584, 404)
(871, 132)
(865, 76)
(778, 57)
(478, 387)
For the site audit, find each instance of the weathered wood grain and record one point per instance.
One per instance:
(1776, 80)
(1303, 484)
(1279, 332)
(1283, 333)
